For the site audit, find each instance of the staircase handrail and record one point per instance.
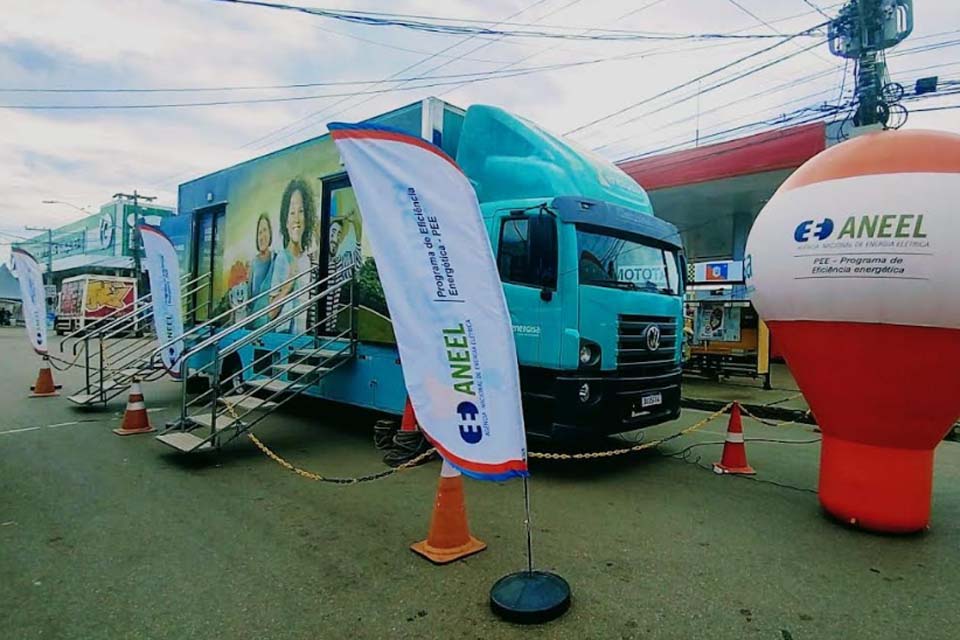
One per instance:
(220, 335)
(210, 321)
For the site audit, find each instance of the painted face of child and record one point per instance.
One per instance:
(263, 236)
(295, 218)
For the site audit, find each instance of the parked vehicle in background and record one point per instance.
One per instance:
(86, 298)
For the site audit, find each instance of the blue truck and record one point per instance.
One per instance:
(593, 280)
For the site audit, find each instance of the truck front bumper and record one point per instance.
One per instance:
(581, 403)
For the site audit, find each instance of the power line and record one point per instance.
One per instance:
(456, 44)
(787, 85)
(309, 116)
(328, 113)
(463, 28)
(749, 97)
(682, 85)
(479, 77)
(722, 83)
(297, 85)
(813, 6)
(792, 120)
(275, 132)
(753, 15)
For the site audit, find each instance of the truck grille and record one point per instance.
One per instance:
(632, 349)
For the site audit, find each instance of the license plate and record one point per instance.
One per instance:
(651, 400)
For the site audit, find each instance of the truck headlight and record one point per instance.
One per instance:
(586, 354)
(589, 353)
(584, 392)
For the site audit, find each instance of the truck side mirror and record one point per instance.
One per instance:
(546, 294)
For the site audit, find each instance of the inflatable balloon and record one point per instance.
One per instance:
(854, 263)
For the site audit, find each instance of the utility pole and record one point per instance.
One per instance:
(862, 31)
(136, 198)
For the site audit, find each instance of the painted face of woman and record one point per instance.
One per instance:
(263, 236)
(295, 218)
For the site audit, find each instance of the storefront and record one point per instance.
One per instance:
(713, 193)
(101, 243)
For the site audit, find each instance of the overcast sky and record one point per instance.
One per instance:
(83, 157)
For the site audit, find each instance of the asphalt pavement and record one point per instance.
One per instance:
(110, 537)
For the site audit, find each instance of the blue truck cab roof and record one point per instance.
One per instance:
(510, 158)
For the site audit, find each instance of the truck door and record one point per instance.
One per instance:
(208, 239)
(527, 260)
(340, 230)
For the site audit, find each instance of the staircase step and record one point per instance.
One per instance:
(94, 396)
(248, 403)
(83, 398)
(301, 369)
(224, 420)
(275, 385)
(322, 354)
(184, 441)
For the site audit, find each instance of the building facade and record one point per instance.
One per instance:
(101, 243)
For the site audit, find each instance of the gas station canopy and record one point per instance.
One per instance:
(713, 193)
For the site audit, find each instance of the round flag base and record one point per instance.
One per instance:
(883, 489)
(530, 597)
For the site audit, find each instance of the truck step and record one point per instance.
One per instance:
(274, 385)
(301, 369)
(248, 403)
(185, 442)
(224, 421)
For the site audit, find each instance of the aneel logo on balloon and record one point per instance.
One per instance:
(821, 230)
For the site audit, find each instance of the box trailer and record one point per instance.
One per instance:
(89, 297)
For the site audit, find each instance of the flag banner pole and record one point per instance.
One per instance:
(453, 330)
(530, 597)
(528, 523)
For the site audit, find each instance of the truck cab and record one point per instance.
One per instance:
(593, 281)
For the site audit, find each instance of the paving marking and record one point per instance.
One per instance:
(3, 433)
(47, 426)
(63, 424)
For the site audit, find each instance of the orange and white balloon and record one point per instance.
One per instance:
(853, 263)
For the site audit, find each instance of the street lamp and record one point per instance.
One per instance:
(69, 204)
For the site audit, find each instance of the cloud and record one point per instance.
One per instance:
(85, 156)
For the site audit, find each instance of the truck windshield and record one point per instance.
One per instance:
(607, 260)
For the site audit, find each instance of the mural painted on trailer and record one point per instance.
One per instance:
(273, 232)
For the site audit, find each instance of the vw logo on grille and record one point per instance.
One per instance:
(652, 334)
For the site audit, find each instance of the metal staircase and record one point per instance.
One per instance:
(239, 398)
(116, 349)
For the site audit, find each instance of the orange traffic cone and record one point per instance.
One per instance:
(44, 387)
(135, 419)
(734, 458)
(409, 420)
(449, 538)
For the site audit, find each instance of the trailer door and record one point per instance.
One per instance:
(208, 239)
(341, 230)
